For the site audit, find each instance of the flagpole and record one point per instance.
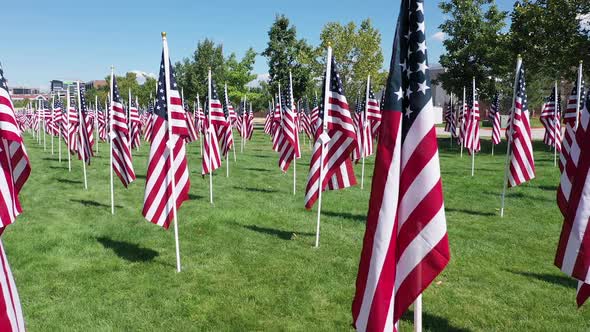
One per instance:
(171, 150)
(473, 131)
(44, 129)
(209, 139)
(110, 137)
(363, 147)
(321, 139)
(418, 313)
(69, 153)
(81, 126)
(52, 122)
(462, 138)
(60, 133)
(556, 109)
(511, 124)
(242, 133)
(579, 92)
(226, 141)
(451, 112)
(296, 134)
(96, 121)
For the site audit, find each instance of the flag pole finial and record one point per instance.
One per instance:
(163, 34)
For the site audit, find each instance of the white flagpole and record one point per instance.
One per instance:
(242, 119)
(322, 142)
(202, 124)
(296, 136)
(52, 122)
(69, 153)
(461, 139)
(579, 92)
(209, 140)
(44, 126)
(96, 121)
(418, 314)
(81, 127)
(59, 134)
(507, 162)
(473, 132)
(229, 124)
(128, 117)
(170, 146)
(556, 109)
(451, 112)
(363, 147)
(110, 137)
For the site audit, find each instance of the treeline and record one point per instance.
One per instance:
(482, 41)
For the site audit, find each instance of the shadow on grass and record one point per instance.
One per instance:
(284, 235)
(262, 156)
(195, 197)
(50, 159)
(128, 251)
(257, 190)
(256, 169)
(548, 188)
(432, 322)
(57, 167)
(140, 176)
(470, 212)
(68, 181)
(518, 195)
(560, 280)
(92, 203)
(345, 215)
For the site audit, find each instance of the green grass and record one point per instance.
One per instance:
(249, 262)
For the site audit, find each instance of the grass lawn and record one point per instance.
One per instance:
(248, 262)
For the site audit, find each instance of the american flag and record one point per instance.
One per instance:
(450, 121)
(357, 119)
(199, 116)
(58, 117)
(193, 135)
(306, 120)
(314, 114)
(573, 249)
(102, 124)
(551, 120)
(334, 142)
(494, 117)
(569, 119)
(211, 155)
(224, 131)
(73, 123)
(462, 118)
(134, 124)
(405, 245)
(149, 122)
(248, 122)
(373, 114)
(122, 160)
(472, 117)
(86, 138)
(268, 121)
(288, 136)
(167, 180)
(15, 163)
(522, 164)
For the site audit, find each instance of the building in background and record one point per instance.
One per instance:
(95, 84)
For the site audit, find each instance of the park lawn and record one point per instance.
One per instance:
(249, 262)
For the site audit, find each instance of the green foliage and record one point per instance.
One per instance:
(249, 263)
(475, 47)
(357, 52)
(285, 53)
(192, 73)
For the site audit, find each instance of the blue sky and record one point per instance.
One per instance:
(44, 40)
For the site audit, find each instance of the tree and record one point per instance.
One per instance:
(551, 39)
(284, 53)
(475, 47)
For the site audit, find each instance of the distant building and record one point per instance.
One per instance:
(96, 84)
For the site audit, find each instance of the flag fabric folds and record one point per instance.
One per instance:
(551, 120)
(405, 244)
(522, 164)
(211, 156)
(122, 160)
(472, 117)
(335, 122)
(494, 117)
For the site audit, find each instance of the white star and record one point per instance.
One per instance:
(423, 87)
(409, 72)
(420, 27)
(409, 92)
(422, 67)
(403, 65)
(420, 7)
(408, 111)
(399, 93)
(422, 47)
(407, 35)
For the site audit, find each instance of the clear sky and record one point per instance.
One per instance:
(44, 40)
